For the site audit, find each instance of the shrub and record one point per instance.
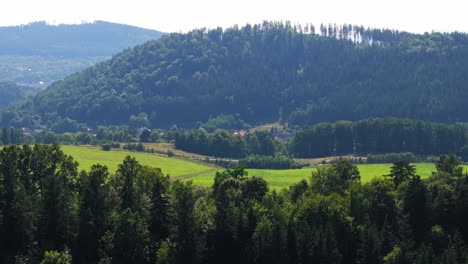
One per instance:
(106, 147)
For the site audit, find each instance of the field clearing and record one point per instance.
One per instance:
(88, 156)
(279, 179)
(203, 174)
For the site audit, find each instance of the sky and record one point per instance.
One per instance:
(184, 15)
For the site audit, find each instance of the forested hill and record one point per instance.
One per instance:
(38, 53)
(264, 73)
(81, 40)
(10, 92)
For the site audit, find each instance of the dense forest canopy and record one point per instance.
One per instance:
(52, 212)
(379, 135)
(267, 72)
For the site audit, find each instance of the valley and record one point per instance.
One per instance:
(262, 143)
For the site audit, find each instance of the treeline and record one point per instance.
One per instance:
(265, 73)
(227, 122)
(223, 143)
(11, 136)
(101, 136)
(377, 136)
(391, 157)
(51, 211)
(382, 139)
(269, 162)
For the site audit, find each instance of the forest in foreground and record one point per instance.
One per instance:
(49, 211)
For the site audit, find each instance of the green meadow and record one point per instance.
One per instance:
(203, 174)
(279, 179)
(88, 156)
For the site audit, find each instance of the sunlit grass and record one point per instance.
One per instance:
(88, 156)
(203, 175)
(279, 179)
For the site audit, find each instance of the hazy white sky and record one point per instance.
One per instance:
(183, 15)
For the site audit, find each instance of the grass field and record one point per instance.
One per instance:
(88, 156)
(279, 179)
(202, 174)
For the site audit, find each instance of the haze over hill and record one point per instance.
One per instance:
(38, 53)
(10, 92)
(265, 73)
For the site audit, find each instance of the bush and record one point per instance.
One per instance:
(134, 147)
(170, 153)
(106, 147)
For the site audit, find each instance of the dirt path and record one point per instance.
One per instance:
(191, 175)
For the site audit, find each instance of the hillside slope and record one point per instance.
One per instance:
(10, 92)
(266, 73)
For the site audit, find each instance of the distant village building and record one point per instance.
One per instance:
(25, 131)
(241, 133)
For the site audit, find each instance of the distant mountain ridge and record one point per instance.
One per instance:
(39, 52)
(266, 73)
(95, 39)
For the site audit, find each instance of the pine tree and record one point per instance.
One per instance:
(127, 171)
(94, 213)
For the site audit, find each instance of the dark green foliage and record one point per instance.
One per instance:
(254, 188)
(67, 125)
(134, 147)
(106, 147)
(336, 178)
(37, 201)
(127, 172)
(131, 238)
(236, 173)
(401, 171)
(160, 209)
(94, 212)
(49, 214)
(391, 157)
(378, 135)
(297, 190)
(58, 209)
(17, 229)
(382, 201)
(269, 72)
(229, 122)
(415, 206)
(185, 248)
(223, 143)
(145, 135)
(449, 164)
